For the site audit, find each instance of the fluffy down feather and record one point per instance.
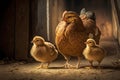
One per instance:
(93, 52)
(44, 52)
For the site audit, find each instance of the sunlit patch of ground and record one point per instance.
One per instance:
(29, 71)
(110, 68)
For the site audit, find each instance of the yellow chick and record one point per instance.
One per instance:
(93, 52)
(44, 52)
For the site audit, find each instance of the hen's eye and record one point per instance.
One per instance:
(69, 17)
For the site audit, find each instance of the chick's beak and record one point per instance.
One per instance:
(32, 41)
(63, 16)
(85, 42)
(63, 19)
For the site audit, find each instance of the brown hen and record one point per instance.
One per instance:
(89, 22)
(70, 37)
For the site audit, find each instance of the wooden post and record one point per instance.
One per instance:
(7, 22)
(56, 9)
(117, 5)
(115, 19)
(22, 29)
(41, 28)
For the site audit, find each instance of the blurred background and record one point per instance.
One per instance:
(21, 20)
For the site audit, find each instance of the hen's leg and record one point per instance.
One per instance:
(78, 64)
(41, 66)
(91, 62)
(67, 65)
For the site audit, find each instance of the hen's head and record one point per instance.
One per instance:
(90, 42)
(70, 16)
(38, 41)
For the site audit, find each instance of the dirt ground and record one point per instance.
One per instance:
(110, 70)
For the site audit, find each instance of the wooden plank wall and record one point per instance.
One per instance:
(38, 18)
(33, 22)
(7, 22)
(23, 19)
(56, 9)
(14, 29)
(102, 9)
(116, 25)
(41, 28)
(33, 18)
(22, 29)
(118, 12)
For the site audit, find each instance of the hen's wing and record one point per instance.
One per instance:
(60, 28)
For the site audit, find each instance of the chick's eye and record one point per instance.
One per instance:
(37, 40)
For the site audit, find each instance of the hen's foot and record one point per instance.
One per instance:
(43, 66)
(68, 66)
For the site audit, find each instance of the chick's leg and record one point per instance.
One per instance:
(78, 64)
(99, 64)
(67, 65)
(48, 64)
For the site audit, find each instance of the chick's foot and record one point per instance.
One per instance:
(77, 66)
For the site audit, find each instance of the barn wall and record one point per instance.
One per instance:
(21, 20)
(118, 12)
(56, 9)
(7, 22)
(33, 18)
(38, 19)
(14, 29)
(42, 24)
(102, 9)
(116, 19)
(39, 16)
(22, 29)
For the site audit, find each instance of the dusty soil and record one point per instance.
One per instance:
(110, 70)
